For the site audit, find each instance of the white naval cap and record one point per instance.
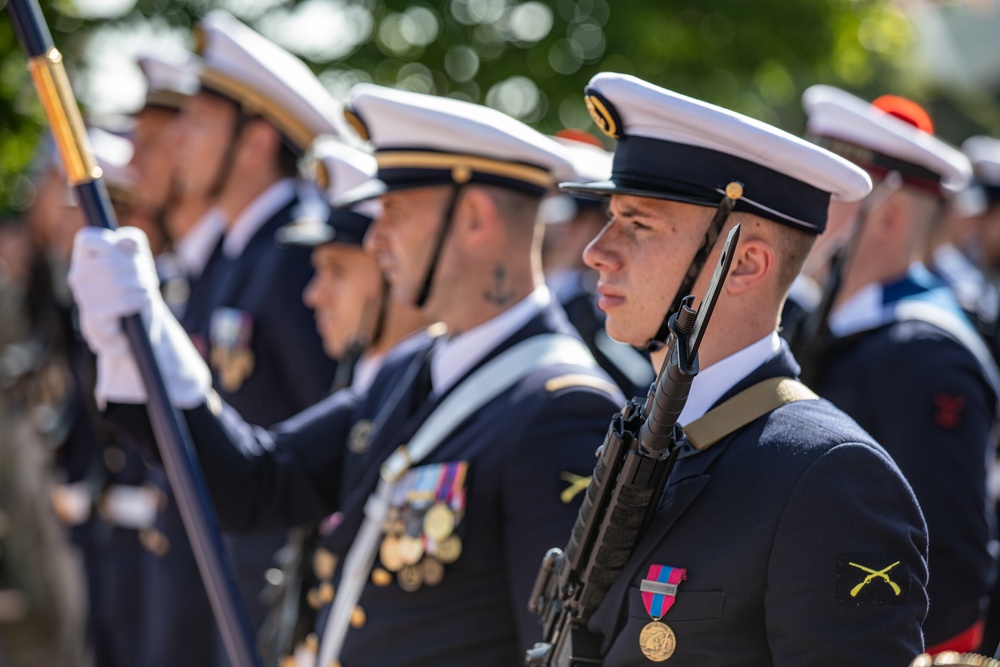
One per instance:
(168, 84)
(114, 155)
(423, 140)
(264, 79)
(984, 153)
(335, 168)
(590, 163)
(678, 148)
(890, 134)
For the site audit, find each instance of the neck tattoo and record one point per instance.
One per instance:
(500, 294)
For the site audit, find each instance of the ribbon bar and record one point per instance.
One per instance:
(658, 588)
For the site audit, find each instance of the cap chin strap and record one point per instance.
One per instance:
(348, 363)
(229, 157)
(425, 289)
(733, 192)
(381, 312)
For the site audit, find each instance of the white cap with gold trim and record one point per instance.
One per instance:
(422, 140)
(265, 79)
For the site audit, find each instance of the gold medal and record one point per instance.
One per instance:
(410, 578)
(388, 553)
(324, 563)
(657, 641)
(410, 549)
(449, 550)
(439, 522)
(432, 571)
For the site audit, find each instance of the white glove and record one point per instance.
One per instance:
(112, 276)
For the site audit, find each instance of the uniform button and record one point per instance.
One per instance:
(381, 577)
(326, 593)
(154, 541)
(114, 459)
(358, 618)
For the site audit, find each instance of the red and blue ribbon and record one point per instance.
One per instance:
(659, 589)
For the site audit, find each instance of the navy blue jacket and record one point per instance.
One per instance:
(290, 372)
(926, 398)
(767, 523)
(518, 448)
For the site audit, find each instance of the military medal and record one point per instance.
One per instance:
(231, 333)
(410, 578)
(432, 571)
(410, 549)
(439, 522)
(389, 554)
(449, 550)
(657, 640)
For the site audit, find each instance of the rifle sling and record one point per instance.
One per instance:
(743, 408)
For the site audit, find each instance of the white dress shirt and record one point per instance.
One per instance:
(195, 247)
(713, 382)
(454, 357)
(255, 215)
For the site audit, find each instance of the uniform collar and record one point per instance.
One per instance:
(876, 304)
(454, 357)
(255, 215)
(713, 382)
(971, 289)
(195, 247)
(565, 283)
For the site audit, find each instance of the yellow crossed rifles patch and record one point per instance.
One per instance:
(577, 484)
(871, 575)
(872, 579)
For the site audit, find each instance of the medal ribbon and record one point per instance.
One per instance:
(456, 494)
(659, 589)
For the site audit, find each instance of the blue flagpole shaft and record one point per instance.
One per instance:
(172, 436)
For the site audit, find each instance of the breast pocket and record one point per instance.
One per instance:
(688, 605)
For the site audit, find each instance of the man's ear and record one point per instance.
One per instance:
(477, 215)
(753, 263)
(259, 141)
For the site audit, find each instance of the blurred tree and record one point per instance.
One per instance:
(529, 58)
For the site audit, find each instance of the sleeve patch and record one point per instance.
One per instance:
(948, 410)
(865, 579)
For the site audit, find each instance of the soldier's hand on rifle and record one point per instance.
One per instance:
(113, 275)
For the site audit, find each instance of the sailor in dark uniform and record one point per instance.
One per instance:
(794, 540)
(969, 259)
(570, 223)
(360, 326)
(256, 111)
(468, 450)
(904, 361)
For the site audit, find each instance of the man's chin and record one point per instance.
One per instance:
(622, 334)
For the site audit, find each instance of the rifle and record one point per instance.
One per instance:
(633, 466)
(172, 437)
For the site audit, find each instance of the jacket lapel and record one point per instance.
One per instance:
(690, 476)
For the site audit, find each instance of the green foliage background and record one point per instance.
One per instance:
(532, 59)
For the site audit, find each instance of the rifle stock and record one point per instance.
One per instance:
(632, 469)
(174, 441)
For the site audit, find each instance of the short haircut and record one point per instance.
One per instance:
(518, 209)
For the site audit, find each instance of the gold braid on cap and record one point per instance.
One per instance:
(358, 125)
(603, 113)
(954, 659)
